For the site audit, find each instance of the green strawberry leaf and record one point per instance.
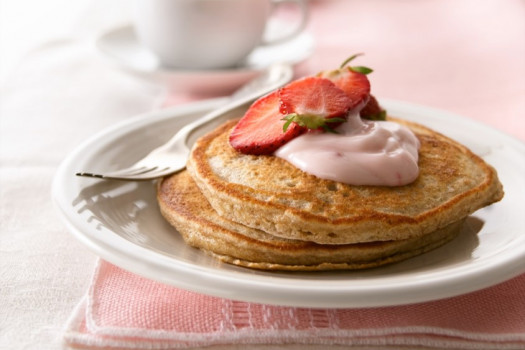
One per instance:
(310, 121)
(362, 69)
(289, 121)
(377, 116)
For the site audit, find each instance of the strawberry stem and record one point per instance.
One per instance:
(359, 69)
(349, 59)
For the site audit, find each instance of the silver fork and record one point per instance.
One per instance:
(172, 156)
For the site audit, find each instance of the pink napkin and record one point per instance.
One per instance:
(127, 311)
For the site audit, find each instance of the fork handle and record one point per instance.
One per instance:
(188, 134)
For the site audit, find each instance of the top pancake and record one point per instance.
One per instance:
(270, 194)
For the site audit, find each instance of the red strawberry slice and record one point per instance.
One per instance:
(260, 130)
(355, 84)
(313, 95)
(372, 110)
(313, 102)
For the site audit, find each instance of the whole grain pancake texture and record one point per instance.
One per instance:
(184, 206)
(263, 213)
(269, 194)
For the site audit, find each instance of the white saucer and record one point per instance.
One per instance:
(121, 47)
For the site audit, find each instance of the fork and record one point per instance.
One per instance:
(171, 157)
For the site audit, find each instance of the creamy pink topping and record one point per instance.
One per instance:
(362, 152)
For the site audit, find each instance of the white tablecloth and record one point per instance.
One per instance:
(54, 94)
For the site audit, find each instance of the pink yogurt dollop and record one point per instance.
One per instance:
(363, 152)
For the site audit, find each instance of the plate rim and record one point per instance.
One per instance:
(345, 295)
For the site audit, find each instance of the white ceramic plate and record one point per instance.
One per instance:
(121, 223)
(121, 47)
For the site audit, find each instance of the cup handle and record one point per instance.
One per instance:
(303, 8)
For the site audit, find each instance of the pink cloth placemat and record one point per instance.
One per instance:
(123, 310)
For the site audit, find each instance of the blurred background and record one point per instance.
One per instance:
(27, 24)
(466, 56)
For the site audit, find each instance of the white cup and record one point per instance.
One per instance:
(208, 34)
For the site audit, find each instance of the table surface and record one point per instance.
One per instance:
(462, 56)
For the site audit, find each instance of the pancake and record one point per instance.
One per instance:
(184, 206)
(269, 194)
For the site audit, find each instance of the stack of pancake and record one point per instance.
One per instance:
(262, 212)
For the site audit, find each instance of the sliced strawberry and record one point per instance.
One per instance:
(260, 130)
(353, 83)
(313, 95)
(372, 110)
(313, 102)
